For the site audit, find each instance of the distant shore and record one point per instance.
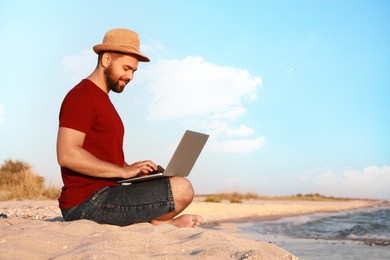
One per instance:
(271, 209)
(24, 234)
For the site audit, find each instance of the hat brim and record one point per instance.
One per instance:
(108, 47)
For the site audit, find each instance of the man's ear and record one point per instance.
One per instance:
(106, 59)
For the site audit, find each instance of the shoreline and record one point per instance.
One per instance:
(264, 210)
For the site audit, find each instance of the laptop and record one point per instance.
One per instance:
(182, 161)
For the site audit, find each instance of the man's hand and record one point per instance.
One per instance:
(139, 169)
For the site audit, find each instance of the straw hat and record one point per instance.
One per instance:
(121, 40)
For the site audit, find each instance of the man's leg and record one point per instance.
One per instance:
(183, 194)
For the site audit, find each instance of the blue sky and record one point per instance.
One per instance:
(294, 94)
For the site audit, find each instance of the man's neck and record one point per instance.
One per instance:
(97, 78)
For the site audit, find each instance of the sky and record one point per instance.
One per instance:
(294, 94)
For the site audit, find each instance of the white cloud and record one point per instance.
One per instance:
(219, 128)
(80, 65)
(242, 130)
(326, 179)
(228, 139)
(2, 114)
(371, 182)
(206, 96)
(153, 48)
(193, 87)
(237, 145)
(232, 114)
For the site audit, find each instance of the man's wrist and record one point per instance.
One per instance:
(122, 173)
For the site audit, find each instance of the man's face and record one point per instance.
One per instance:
(120, 71)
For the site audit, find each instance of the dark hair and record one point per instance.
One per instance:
(115, 54)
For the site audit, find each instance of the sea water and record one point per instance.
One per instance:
(355, 234)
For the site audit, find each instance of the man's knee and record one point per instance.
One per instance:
(182, 189)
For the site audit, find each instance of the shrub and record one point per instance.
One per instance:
(18, 181)
(213, 199)
(234, 200)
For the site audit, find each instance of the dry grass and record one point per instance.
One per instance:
(236, 197)
(18, 181)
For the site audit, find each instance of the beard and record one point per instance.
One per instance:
(114, 82)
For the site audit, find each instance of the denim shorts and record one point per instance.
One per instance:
(126, 204)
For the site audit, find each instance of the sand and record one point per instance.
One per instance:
(35, 230)
(269, 210)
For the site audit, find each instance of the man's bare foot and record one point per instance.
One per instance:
(183, 221)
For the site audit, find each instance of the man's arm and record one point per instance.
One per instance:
(71, 155)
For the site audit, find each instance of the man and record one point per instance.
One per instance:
(90, 153)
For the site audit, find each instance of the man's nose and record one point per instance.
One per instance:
(130, 75)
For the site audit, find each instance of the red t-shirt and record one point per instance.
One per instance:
(88, 109)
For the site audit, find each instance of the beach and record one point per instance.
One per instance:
(35, 230)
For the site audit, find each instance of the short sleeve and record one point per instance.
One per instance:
(77, 110)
